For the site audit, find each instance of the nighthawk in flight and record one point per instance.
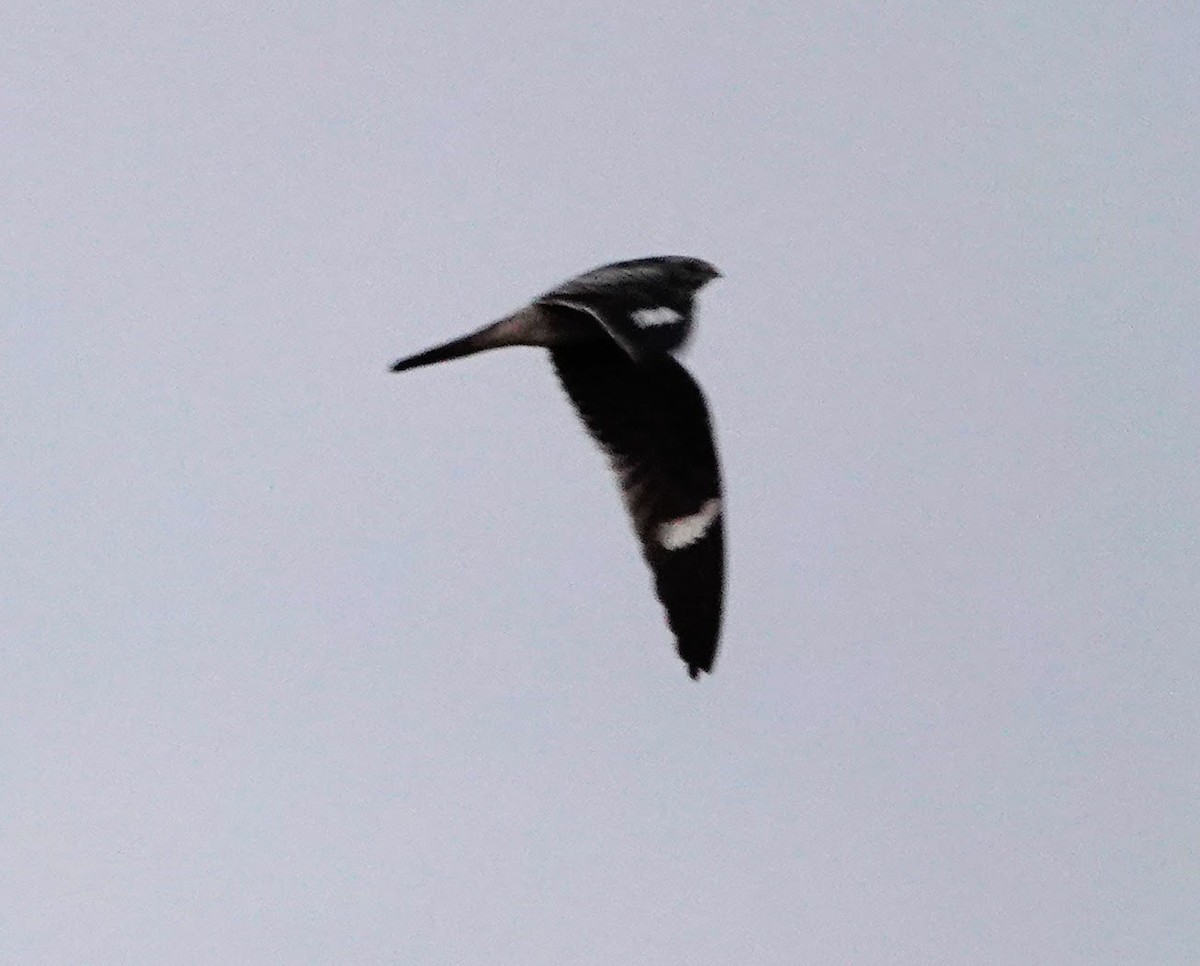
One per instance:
(610, 333)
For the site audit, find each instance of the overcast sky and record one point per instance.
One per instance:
(306, 662)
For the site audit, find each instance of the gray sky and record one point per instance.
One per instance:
(309, 663)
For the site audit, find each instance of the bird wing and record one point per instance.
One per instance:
(633, 302)
(652, 422)
(617, 324)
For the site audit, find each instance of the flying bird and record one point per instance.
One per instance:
(610, 333)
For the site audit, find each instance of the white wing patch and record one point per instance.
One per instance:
(677, 534)
(662, 315)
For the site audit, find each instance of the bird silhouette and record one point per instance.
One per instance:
(610, 333)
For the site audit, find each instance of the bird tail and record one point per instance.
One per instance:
(497, 334)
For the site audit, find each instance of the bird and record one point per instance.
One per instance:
(611, 333)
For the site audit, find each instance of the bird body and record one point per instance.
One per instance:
(610, 332)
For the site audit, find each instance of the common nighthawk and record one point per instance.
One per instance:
(611, 332)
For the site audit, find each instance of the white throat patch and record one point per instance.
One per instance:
(677, 534)
(662, 315)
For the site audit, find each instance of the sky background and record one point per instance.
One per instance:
(305, 662)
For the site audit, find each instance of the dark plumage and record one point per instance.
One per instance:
(610, 332)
